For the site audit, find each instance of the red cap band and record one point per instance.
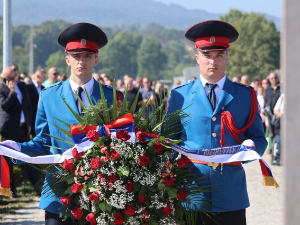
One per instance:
(212, 41)
(81, 44)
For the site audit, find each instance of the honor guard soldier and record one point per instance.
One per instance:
(81, 42)
(223, 114)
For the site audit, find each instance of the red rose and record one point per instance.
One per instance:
(167, 210)
(113, 178)
(182, 162)
(77, 213)
(129, 187)
(118, 219)
(93, 135)
(76, 187)
(123, 135)
(94, 196)
(65, 200)
(141, 136)
(143, 160)
(158, 147)
(169, 181)
(68, 164)
(95, 163)
(142, 199)
(115, 153)
(77, 155)
(129, 210)
(91, 218)
(145, 215)
(181, 195)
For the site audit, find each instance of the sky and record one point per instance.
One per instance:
(270, 7)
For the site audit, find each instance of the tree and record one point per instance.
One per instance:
(151, 59)
(58, 60)
(256, 52)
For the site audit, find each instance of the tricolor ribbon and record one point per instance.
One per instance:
(236, 153)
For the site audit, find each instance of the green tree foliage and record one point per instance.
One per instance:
(161, 33)
(256, 52)
(57, 60)
(118, 57)
(151, 59)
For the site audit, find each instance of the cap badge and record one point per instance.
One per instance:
(83, 42)
(212, 39)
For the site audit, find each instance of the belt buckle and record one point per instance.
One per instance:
(214, 165)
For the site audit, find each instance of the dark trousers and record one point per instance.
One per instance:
(53, 219)
(237, 217)
(21, 135)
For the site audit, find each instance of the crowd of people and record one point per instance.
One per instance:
(270, 97)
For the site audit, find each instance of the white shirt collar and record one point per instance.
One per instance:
(35, 83)
(220, 83)
(88, 86)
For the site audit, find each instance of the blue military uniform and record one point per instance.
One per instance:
(229, 190)
(51, 105)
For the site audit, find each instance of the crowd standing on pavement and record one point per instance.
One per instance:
(270, 97)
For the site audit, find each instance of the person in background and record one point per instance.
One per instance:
(265, 83)
(153, 83)
(194, 78)
(261, 102)
(176, 83)
(23, 76)
(16, 69)
(106, 79)
(255, 84)
(62, 77)
(16, 114)
(245, 80)
(138, 82)
(126, 76)
(279, 112)
(236, 79)
(147, 92)
(52, 77)
(120, 85)
(131, 94)
(27, 80)
(102, 75)
(96, 76)
(161, 93)
(109, 83)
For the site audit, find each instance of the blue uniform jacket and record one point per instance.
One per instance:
(51, 105)
(229, 189)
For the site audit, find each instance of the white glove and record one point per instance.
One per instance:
(248, 143)
(12, 144)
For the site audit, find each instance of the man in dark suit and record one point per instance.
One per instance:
(15, 116)
(34, 90)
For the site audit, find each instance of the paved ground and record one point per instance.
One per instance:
(266, 202)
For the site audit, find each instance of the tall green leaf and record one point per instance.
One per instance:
(141, 112)
(60, 139)
(133, 106)
(64, 123)
(62, 129)
(104, 105)
(80, 120)
(124, 104)
(115, 108)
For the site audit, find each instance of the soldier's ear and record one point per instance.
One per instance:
(68, 60)
(96, 60)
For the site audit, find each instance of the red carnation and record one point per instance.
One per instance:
(181, 195)
(129, 187)
(123, 135)
(158, 147)
(145, 215)
(76, 187)
(118, 219)
(143, 160)
(142, 199)
(77, 155)
(104, 150)
(115, 153)
(94, 196)
(169, 181)
(95, 163)
(77, 213)
(167, 210)
(91, 218)
(68, 164)
(129, 210)
(65, 200)
(93, 135)
(182, 162)
(113, 178)
(141, 136)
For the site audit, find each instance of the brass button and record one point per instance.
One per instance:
(214, 119)
(214, 134)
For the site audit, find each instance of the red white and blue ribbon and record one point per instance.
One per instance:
(4, 177)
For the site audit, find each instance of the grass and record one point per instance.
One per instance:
(8, 205)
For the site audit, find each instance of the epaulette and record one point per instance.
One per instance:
(186, 83)
(53, 85)
(244, 85)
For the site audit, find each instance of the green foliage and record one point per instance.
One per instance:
(256, 52)
(151, 59)
(58, 60)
